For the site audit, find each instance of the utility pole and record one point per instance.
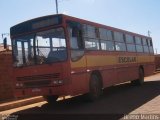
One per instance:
(4, 34)
(5, 40)
(56, 6)
(156, 51)
(149, 33)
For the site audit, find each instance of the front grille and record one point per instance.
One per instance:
(39, 77)
(37, 83)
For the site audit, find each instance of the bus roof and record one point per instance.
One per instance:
(104, 26)
(43, 21)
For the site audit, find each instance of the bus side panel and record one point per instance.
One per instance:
(79, 77)
(109, 77)
(148, 63)
(132, 72)
(151, 66)
(126, 68)
(127, 73)
(149, 69)
(122, 75)
(105, 64)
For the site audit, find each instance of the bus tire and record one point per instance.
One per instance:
(140, 80)
(95, 88)
(51, 99)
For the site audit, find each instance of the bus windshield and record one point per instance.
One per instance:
(40, 48)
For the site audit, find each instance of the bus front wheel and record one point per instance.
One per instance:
(95, 88)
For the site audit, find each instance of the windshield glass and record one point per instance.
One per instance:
(40, 48)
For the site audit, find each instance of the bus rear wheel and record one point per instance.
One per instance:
(95, 88)
(51, 99)
(140, 80)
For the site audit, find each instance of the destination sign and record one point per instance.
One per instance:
(127, 59)
(45, 23)
(34, 24)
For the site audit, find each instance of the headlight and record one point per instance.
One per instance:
(19, 84)
(58, 82)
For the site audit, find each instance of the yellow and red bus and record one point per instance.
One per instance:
(60, 55)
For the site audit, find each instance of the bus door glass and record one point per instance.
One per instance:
(76, 40)
(23, 51)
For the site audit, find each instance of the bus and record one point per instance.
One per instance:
(60, 55)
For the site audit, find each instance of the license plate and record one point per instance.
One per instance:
(36, 90)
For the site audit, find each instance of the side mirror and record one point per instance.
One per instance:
(5, 43)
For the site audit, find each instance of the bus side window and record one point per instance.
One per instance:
(76, 41)
(73, 39)
(80, 37)
(75, 33)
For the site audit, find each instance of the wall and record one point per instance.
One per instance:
(6, 83)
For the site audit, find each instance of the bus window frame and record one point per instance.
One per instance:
(41, 30)
(72, 50)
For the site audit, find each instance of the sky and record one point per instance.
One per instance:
(139, 16)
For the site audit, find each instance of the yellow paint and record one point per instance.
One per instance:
(79, 63)
(99, 60)
(152, 58)
(145, 59)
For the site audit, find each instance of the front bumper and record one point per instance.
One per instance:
(41, 91)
